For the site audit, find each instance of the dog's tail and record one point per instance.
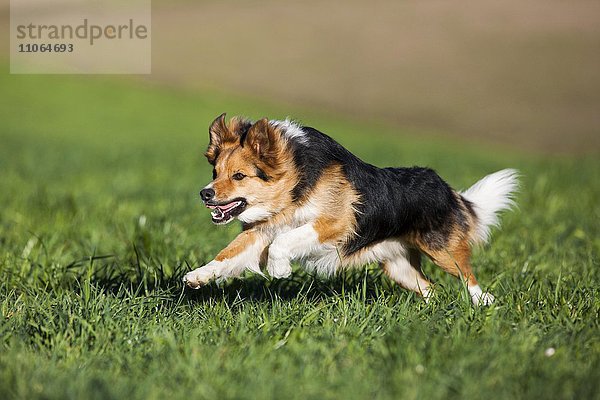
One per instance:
(489, 196)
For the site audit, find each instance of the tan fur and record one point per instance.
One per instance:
(220, 136)
(336, 198)
(333, 198)
(264, 148)
(455, 257)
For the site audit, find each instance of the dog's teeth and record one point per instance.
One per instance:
(217, 213)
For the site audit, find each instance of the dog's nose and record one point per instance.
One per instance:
(207, 194)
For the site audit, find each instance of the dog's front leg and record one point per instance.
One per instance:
(243, 253)
(291, 245)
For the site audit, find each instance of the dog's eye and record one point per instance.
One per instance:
(238, 176)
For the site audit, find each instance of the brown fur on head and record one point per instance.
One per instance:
(252, 166)
(222, 135)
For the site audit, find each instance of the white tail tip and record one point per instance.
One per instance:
(489, 196)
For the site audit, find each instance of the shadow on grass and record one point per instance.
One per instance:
(367, 283)
(142, 276)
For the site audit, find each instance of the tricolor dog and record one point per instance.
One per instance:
(303, 197)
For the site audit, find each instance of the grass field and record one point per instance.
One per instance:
(99, 219)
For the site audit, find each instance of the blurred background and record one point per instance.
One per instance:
(520, 74)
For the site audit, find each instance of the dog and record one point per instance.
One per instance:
(301, 196)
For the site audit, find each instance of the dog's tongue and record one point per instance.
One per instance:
(229, 206)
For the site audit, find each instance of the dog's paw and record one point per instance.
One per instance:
(427, 293)
(279, 269)
(197, 278)
(479, 297)
(483, 299)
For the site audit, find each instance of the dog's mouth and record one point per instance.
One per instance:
(223, 213)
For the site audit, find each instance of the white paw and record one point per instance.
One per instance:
(198, 277)
(479, 297)
(279, 268)
(483, 299)
(427, 293)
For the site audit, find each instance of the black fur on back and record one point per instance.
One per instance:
(394, 201)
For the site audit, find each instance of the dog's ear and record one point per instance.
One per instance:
(263, 140)
(219, 134)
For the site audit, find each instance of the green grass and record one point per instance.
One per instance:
(99, 220)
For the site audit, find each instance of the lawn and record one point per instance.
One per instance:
(100, 219)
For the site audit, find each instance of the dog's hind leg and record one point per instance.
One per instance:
(244, 252)
(406, 271)
(455, 258)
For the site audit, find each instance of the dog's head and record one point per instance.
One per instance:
(251, 174)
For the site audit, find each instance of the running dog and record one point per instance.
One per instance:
(301, 196)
